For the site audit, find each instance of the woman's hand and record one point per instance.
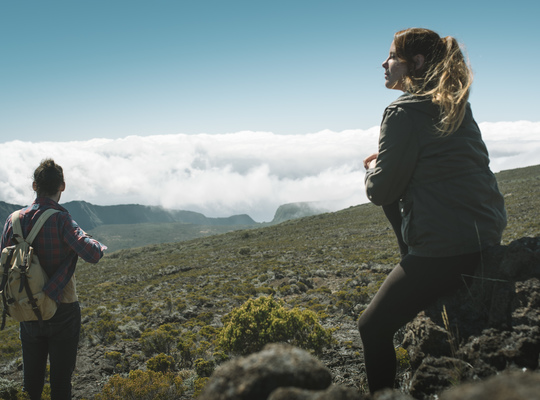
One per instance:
(370, 161)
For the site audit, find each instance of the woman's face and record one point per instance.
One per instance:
(394, 70)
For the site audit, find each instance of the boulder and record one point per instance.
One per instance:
(389, 394)
(258, 375)
(332, 393)
(436, 374)
(516, 385)
(282, 372)
(490, 325)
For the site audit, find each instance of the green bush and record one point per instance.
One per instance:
(160, 340)
(265, 320)
(145, 307)
(8, 389)
(348, 298)
(45, 395)
(10, 344)
(208, 331)
(113, 356)
(120, 363)
(160, 363)
(187, 348)
(267, 290)
(199, 385)
(204, 368)
(220, 357)
(104, 327)
(244, 251)
(402, 358)
(143, 385)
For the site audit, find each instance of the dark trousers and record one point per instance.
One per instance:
(57, 339)
(412, 286)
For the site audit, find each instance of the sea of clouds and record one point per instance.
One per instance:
(221, 175)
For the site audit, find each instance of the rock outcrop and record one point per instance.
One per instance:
(258, 375)
(491, 325)
(506, 386)
(284, 372)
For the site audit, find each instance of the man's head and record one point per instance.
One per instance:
(48, 179)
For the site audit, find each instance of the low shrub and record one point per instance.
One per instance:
(187, 348)
(266, 290)
(120, 363)
(402, 358)
(265, 320)
(103, 327)
(160, 363)
(204, 368)
(10, 344)
(220, 357)
(160, 340)
(199, 385)
(143, 385)
(348, 298)
(208, 331)
(113, 356)
(8, 389)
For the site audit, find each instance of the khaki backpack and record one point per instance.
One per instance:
(23, 277)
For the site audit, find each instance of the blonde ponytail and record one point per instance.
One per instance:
(445, 75)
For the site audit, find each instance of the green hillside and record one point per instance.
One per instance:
(329, 263)
(521, 189)
(346, 239)
(126, 236)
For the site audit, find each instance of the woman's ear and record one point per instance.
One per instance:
(419, 60)
(34, 186)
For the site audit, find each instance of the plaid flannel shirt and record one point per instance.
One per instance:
(58, 244)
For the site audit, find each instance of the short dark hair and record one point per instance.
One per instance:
(48, 177)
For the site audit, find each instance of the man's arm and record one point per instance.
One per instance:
(90, 250)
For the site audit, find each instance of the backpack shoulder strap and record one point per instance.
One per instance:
(16, 224)
(15, 221)
(39, 224)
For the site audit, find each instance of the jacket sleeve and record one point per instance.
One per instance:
(398, 155)
(87, 248)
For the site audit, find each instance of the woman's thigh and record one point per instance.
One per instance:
(411, 286)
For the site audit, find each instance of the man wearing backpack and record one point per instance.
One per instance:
(57, 245)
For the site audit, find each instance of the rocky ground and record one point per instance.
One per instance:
(496, 329)
(331, 264)
(490, 329)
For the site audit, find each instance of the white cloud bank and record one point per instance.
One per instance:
(221, 175)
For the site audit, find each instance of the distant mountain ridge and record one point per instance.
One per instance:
(90, 216)
(86, 213)
(6, 209)
(290, 211)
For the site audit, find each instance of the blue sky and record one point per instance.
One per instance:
(108, 69)
(232, 107)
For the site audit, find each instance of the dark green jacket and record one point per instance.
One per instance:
(449, 199)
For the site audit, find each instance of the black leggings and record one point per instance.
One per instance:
(413, 284)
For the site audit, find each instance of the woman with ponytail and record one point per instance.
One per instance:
(431, 175)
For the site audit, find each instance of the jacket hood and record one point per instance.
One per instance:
(422, 104)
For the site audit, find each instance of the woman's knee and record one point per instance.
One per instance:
(363, 325)
(367, 326)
